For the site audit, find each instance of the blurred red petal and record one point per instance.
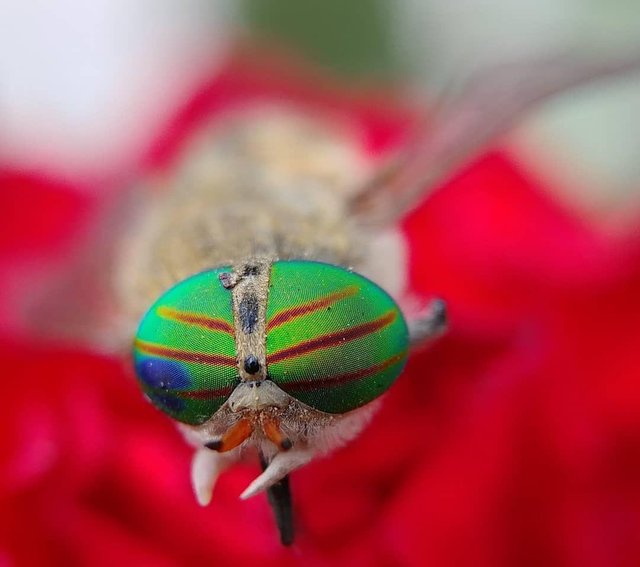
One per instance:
(513, 440)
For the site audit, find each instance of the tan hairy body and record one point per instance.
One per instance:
(265, 182)
(252, 188)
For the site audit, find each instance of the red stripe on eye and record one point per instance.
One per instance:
(195, 394)
(306, 308)
(196, 319)
(340, 379)
(185, 355)
(333, 339)
(204, 394)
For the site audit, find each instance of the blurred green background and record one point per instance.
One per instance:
(433, 43)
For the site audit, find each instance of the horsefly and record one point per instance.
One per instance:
(256, 274)
(262, 333)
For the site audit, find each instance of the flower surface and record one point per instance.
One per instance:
(513, 440)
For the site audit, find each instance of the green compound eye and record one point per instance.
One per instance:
(335, 340)
(184, 352)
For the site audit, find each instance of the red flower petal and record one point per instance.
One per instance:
(513, 440)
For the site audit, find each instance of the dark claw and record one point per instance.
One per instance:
(439, 307)
(214, 445)
(430, 324)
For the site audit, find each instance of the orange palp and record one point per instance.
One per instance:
(234, 436)
(271, 429)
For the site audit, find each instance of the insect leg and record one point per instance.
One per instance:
(281, 465)
(206, 467)
(429, 324)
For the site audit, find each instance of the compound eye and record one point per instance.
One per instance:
(184, 351)
(335, 340)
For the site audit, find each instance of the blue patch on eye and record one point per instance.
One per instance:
(167, 403)
(161, 374)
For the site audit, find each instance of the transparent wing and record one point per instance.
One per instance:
(466, 122)
(73, 301)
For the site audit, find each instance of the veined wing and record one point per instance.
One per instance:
(467, 122)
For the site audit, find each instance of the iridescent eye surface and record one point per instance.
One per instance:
(335, 340)
(185, 354)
